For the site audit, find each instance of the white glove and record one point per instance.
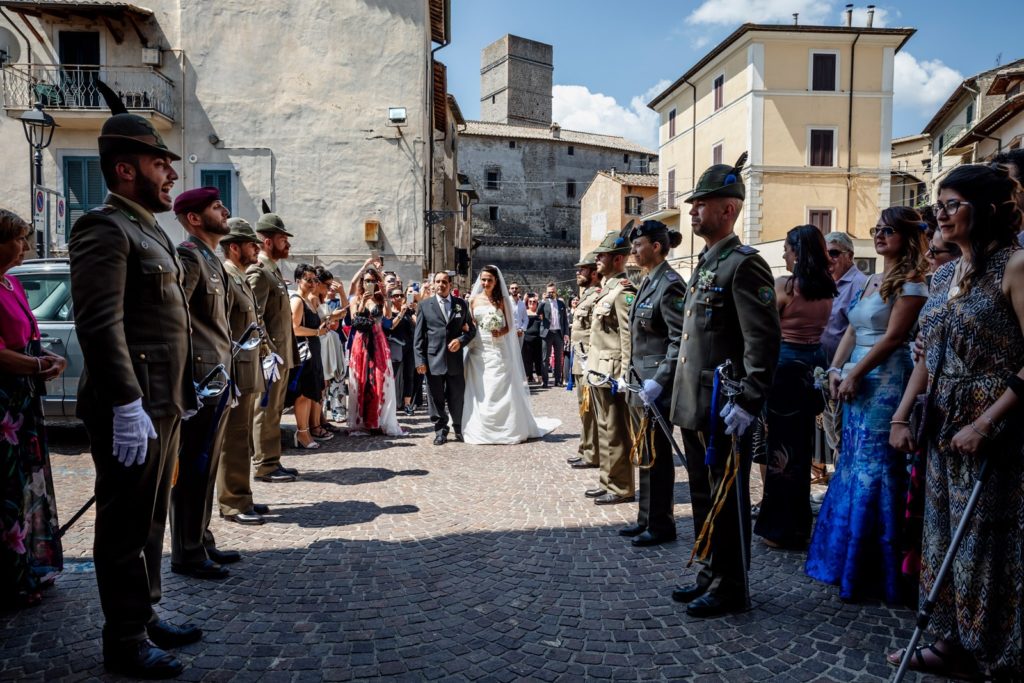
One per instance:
(132, 431)
(271, 372)
(737, 420)
(650, 392)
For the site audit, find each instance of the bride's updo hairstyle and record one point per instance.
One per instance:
(497, 296)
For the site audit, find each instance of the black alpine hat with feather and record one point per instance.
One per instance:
(721, 180)
(124, 132)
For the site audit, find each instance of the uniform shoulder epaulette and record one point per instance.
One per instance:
(746, 250)
(626, 282)
(188, 244)
(671, 276)
(105, 209)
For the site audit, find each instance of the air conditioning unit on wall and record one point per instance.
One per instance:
(151, 56)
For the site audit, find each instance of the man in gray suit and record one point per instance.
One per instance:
(443, 327)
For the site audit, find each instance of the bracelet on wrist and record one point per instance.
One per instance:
(979, 432)
(900, 422)
(835, 370)
(39, 365)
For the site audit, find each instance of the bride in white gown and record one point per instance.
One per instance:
(496, 408)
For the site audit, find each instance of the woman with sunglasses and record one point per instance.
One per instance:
(856, 543)
(371, 379)
(973, 329)
(306, 383)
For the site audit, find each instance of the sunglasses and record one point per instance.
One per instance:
(310, 280)
(835, 253)
(882, 231)
(950, 206)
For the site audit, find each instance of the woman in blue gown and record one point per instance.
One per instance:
(856, 542)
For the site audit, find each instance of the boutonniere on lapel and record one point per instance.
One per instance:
(458, 308)
(706, 281)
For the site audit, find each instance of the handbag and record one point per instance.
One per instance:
(304, 352)
(919, 411)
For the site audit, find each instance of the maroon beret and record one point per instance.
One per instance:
(195, 200)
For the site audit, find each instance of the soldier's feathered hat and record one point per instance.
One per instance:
(588, 260)
(128, 133)
(721, 180)
(616, 241)
(240, 231)
(270, 223)
(648, 229)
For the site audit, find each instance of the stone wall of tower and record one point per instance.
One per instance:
(515, 81)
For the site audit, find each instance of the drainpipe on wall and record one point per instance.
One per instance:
(849, 132)
(184, 158)
(31, 172)
(693, 162)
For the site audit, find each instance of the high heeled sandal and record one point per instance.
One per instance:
(948, 664)
(320, 434)
(311, 445)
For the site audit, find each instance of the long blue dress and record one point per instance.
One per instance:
(856, 542)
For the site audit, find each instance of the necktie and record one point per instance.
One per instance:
(446, 308)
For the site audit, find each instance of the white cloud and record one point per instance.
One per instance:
(577, 108)
(735, 12)
(925, 84)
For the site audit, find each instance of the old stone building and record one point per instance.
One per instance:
(528, 171)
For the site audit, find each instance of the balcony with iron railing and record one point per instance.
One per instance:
(662, 205)
(69, 92)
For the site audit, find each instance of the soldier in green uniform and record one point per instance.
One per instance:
(133, 324)
(610, 351)
(234, 476)
(271, 292)
(655, 323)
(589, 283)
(193, 552)
(729, 314)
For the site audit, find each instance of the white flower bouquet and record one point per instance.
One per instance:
(493, 321)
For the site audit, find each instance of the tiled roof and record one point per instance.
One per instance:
(49, 6)
(506, 130)
(634, 179)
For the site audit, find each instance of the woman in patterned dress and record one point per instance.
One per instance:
(974, 340)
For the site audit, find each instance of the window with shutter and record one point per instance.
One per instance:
(221, 179)
(716, 154)
(719, 92)
(821, 147)
(570, 189)
(821, 219)
(672, 123)
(83, 187)
(823, 71)
(671, 189)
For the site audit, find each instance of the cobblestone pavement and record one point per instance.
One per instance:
(396, 559)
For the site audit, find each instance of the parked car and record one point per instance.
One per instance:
(47, 284)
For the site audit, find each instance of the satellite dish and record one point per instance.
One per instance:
(9, 44)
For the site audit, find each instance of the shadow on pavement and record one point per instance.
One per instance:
(360, 475)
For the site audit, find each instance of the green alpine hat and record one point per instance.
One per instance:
(240, 231)
(271, 224)
(616, 241)
(588, 260)
(721, 180)
(124, 132)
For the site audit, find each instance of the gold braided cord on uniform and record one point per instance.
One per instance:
(585, 401)
(643, 439)
(702, 547)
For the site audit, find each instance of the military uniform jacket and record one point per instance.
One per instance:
(582, 320)
(655, 325)
(242, 311)
(610, 345)
(272, 297)
(131, 314)
(729, 313)
(205, 285)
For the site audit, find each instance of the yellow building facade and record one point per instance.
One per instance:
(812, 107)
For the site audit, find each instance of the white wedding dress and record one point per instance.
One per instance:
(496, 407)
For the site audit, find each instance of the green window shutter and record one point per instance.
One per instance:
(83, 187)
(222, 181)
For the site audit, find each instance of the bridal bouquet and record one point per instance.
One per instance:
(492, 322)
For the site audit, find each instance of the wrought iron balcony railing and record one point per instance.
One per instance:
(73, 87)
(660, 202)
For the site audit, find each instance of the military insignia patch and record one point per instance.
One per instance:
(677, 303)
(766, 294)
(629, 299)
(671, 277)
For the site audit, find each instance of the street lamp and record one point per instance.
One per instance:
(466, 193)
(39, 127)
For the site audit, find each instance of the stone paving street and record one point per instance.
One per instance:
(395, 559)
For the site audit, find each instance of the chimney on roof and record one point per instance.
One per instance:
(849, 15)
(613, 171)
(871, 15)
(556, 130)
(796, 18)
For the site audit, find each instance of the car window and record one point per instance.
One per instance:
(49, 295)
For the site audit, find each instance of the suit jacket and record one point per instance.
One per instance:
(400, 338)
(730, 313)
(433, 333)
(610, 345)
(548, 310)
(246, 372)
(275, 309)
(205, 285)
(131, 313)
(655, 325)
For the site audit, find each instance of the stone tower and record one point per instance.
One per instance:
(515, 81)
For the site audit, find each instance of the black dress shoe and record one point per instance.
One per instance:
(458, 436)
(583, 465)
(289, 470)
(634, 530)
(278, 476)
(573, 461)
(647, 538)
(142, 659)
(224, 556)
(261, 509)
(246, 518)
(166, 635)
(594, 493)
(612, 499)
(440, 440)
(711, 605)
(689, 593)
(207, 569)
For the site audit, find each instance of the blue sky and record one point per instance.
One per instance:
(611, 56)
